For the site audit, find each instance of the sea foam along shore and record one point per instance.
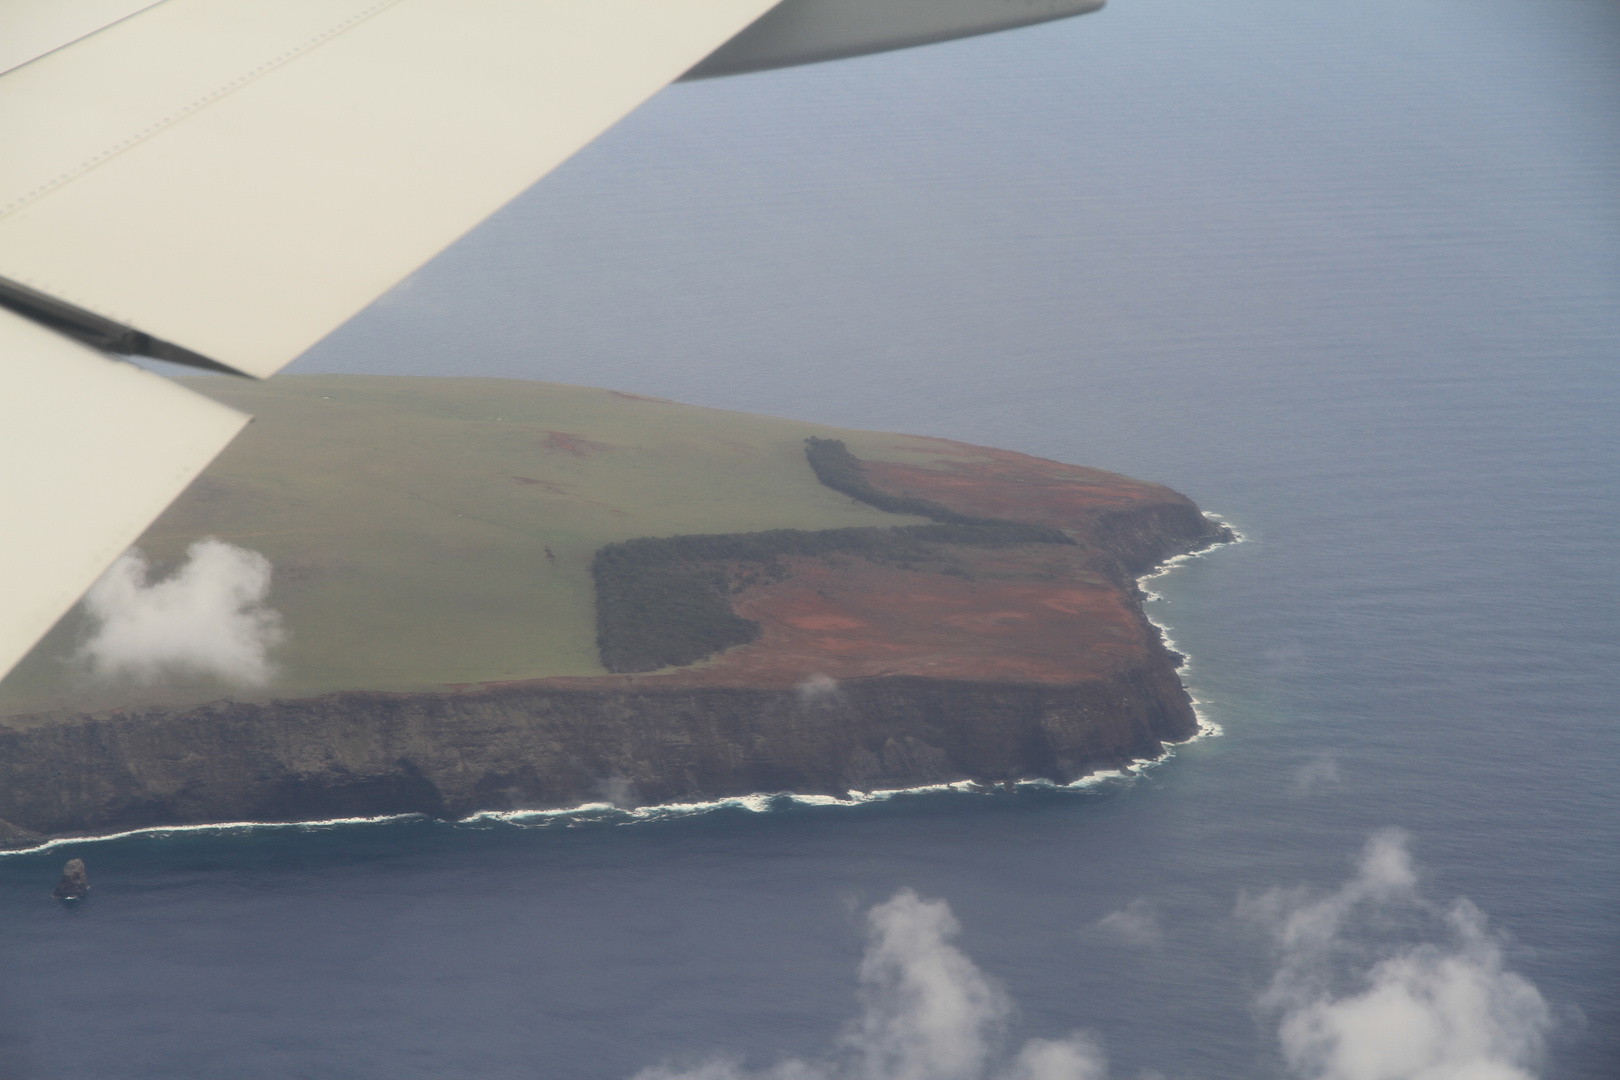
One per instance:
(208, 827)
(1207, 728)
(757, 802)
(608, 813)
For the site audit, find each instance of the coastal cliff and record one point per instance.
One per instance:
(1005, 641)
(449, 755)
(672, 737)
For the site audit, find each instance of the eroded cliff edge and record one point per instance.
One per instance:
(994, 663)
(505, 748)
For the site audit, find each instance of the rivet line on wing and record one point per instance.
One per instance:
(187, 110)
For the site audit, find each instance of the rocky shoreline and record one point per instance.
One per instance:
(1029, 661)
(450, 755)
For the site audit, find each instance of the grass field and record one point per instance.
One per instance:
(407, 519)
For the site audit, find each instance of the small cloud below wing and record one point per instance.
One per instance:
(208, 618)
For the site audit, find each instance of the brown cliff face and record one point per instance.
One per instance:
(996, 664)
(452, 754)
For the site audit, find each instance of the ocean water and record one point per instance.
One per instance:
(1348, 275)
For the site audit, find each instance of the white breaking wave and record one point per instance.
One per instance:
(207, 618)
(765, 802)
(1207, 728)
(1183, 559)
(214, 827)
(611, 812)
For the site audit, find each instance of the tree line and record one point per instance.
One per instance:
(663, 601)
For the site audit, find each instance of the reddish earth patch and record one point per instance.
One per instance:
(566, 443)
(1016, 487)
(855, 619)
(1032, 614)
(1035, 613)
(567, 491)
(547, 485)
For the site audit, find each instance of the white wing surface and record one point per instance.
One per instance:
(95, 448)
(30, 28)
(238, 177)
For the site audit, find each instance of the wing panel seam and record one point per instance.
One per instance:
(180, 114)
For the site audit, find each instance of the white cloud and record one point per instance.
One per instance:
(818, 688)
(1074, 1058)
(207, 618)
(1321, 773)
(1136, 923)
(620, 791)
(928, 1013)
(1422, 1012)
(1347, 1004)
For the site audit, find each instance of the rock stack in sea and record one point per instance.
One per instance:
(74, 883)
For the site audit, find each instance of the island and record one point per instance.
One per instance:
(506, 595)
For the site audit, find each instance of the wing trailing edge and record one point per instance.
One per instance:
(93, 450)
(810, 31)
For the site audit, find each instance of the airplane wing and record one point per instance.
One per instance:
(222, 183)
(95, 448)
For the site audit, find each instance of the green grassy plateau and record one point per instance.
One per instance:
(407, 520)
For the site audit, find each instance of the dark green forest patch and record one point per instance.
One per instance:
(663, 601)
(842, 471)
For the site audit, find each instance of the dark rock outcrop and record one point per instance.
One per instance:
(13, 837)
(74, 883)
(1140, 538)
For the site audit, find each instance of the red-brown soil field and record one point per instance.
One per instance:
(1032, 613)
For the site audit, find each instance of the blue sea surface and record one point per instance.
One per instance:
(1347, 275)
